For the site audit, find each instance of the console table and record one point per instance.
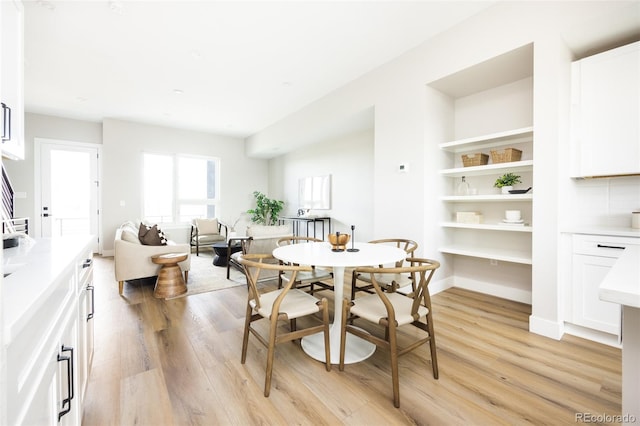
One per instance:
(309, 220)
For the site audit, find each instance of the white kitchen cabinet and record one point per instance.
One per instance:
(606, 112)
(11, 79)
(49, 340)
(592, 259)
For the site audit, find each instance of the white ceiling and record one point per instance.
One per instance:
(238, 66)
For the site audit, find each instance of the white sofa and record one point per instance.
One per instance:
(132, 259)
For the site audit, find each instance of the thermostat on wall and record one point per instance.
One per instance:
(403, 168)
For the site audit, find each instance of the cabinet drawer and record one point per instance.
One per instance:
(600, 245)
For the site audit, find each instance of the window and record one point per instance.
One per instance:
(179, 188)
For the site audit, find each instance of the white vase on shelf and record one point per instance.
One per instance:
(506, 189)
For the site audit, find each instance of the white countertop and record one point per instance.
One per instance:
(622, 283)
(603, 230)
(34, 267)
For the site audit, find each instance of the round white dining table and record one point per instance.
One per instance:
(320, 254)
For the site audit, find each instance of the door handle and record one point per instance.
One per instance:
(6, 125)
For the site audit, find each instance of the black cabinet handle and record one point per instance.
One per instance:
(66, 402)
(86, 264)
(91, 289)
(611, 247)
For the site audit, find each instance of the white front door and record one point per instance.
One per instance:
(69, 189)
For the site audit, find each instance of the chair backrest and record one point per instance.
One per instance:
(264, 239)
(296, 240)
(423, 269)
(255, 264)
(409, 246)
(206, 226)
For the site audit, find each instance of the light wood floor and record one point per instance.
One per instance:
(177, 362)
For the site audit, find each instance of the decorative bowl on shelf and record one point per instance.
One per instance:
(519, 191)
(338, 241)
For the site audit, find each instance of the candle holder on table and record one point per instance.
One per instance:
(353, 241)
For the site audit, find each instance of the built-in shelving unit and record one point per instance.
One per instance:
(491, 116)
(487, 198)
(504, 255)
(508, 137)
(488, 227)
(514, 166)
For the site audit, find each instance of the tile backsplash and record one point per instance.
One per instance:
(603, 202)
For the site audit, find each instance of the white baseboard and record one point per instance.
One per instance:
(593, 335)
(551, 329)
(108, 253)
(504, 292)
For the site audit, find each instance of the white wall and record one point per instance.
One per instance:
(123, 145)
(349, 160)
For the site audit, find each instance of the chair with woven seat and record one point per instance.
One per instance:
(392, 310)
(285, 304)
(304, 279)
(387, 281)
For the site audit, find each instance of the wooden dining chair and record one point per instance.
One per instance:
(306, 279)
(392, 310)
(362, 282)
(284, 304)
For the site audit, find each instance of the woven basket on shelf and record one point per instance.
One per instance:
(506, 155)
(478, 159)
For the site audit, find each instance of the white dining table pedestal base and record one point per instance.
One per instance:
(357, 349)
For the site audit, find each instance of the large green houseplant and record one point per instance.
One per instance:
(266, 211)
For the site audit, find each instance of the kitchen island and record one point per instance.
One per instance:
(47, 307)
(622, 285)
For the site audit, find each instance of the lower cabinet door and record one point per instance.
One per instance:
(588, 309)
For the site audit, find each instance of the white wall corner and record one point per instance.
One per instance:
(438, 286)
(544, 327)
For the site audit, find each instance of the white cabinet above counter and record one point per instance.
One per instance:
(605, 109)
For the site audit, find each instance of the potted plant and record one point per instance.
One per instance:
(266, 211)
(506, 182)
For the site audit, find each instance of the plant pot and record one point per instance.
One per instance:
(506, 189)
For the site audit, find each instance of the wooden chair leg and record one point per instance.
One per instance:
(120, 287)
(186, 276)
(325, 319)
(393, 355)
(245, 336)
(343, 332)
(432, 347)
(270, 355)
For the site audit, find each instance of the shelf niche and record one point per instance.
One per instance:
(490, 107)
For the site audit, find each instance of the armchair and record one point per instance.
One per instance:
(206, 232)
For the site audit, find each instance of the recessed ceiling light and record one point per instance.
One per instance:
(47, 4)
(178, 91)
(116, 7)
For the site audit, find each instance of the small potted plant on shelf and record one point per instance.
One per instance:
(506, 182)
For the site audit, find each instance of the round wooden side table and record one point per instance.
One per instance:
(170, 282)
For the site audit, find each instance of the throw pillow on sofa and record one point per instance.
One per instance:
(151, 235)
